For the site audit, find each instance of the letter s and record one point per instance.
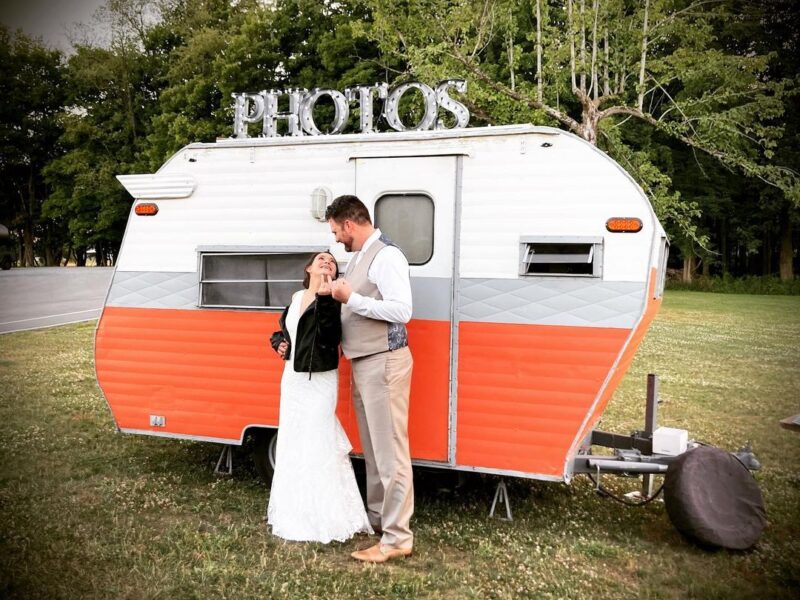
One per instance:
(458, 110)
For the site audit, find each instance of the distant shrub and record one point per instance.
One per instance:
(749, 284)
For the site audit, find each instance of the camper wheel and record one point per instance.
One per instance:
(6, 263)
(264, 452)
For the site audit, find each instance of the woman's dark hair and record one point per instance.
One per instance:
(307, 275)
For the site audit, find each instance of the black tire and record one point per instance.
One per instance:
(264, 453)
(6, 263)
(712, 499)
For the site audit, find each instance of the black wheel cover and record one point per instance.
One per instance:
(713, 499)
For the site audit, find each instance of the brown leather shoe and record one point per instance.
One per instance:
(380, 553)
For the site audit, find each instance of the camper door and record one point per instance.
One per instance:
(412, 200)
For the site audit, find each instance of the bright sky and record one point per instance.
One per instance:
(51, 20)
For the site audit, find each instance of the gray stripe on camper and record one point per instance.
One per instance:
(431, 297)
(153, 289)
(552, 301)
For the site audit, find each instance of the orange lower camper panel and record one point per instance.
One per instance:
(212, 374)
(525, 390)
(653, 305)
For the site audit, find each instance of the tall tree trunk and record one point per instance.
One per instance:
(785, 267)
(589, 119)
(688, 267)
(27, 243)
(50, 258)
(723, 245)
(539, 95)
(20, 246)
(571, 46)
(511, 50)
(594, 83)
(643, 60)
(583, 48)
(80, 256)
(607, 82)
(766, 254)
(28, 259)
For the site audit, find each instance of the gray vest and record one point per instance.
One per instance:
(362, 336)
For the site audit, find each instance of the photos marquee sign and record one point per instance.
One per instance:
(262, 107)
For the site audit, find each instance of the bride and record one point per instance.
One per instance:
(314, 496)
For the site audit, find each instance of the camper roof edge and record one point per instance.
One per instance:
(378, 137)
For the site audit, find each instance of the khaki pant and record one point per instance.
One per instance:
(381, 385)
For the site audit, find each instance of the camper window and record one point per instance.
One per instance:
(248, 280)
(407, 219)
(560, 256)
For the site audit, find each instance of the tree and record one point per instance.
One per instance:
(107, 115)
(595, 68)
(750, 223)
(32, 84)
(220, 49)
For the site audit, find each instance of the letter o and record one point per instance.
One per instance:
(393, 104)
(307, 111)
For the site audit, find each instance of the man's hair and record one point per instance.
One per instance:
(345, 208)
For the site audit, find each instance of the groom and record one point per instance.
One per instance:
(376, 304)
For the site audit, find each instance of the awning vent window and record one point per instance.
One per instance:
(561, 256)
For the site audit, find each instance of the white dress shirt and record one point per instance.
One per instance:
(388, 271)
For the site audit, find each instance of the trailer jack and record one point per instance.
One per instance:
(225, 461)
(501, 497)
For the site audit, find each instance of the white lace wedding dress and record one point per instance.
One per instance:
(314, 495)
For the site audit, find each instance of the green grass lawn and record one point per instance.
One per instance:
(89, 513)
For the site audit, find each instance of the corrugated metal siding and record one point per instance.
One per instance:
(212, 373)
(429, 403)
(524, 391)
(265, 201)
(514, 187)
(653, 305)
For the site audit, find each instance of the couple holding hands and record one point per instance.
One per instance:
(314, 495)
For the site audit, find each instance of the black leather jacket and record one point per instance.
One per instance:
(319, 332)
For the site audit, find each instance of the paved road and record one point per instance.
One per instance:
(47, 296)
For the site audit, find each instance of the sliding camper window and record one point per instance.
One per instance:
(561, 256)
(250, 280)
(407, 220)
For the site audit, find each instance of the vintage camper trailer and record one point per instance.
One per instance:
(537, 265)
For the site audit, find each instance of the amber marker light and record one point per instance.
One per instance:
(146, 209)
(624, 225)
